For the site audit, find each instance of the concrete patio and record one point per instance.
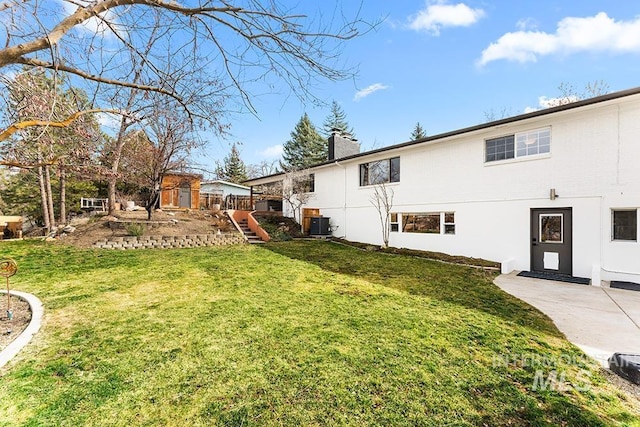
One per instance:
(599, 320)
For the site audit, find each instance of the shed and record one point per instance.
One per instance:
(10, 227)
(180, 191)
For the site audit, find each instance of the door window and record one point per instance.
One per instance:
(551, 228)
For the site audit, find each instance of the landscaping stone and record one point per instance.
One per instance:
(626, 365)
(162, 242)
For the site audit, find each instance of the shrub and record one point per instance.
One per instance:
(279, 228)
(135, 229)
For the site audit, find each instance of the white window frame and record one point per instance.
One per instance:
(443, 225)
(539, 138)
(559, 242)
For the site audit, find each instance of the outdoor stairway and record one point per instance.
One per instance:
(252, 237)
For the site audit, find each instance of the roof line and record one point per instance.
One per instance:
(508, 120)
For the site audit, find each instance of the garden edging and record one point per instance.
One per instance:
(37, 311)
(167, 242)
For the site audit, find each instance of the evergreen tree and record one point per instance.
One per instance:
(336, 119)
(232, 168)
(418, 132)
(305, 148)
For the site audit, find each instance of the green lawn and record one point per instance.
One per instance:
(295, 333)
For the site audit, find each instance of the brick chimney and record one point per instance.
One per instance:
(342, 144)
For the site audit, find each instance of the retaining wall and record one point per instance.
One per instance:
(163, 242)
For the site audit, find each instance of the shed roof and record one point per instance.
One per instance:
(10, 218)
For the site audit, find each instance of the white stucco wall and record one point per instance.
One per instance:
(593, 166)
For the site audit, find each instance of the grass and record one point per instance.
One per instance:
(292, 333)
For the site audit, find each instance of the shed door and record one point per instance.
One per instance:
(185, 197)
(551, 236)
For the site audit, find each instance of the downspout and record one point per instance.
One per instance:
(344, 202)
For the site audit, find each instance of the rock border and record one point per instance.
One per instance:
(37, 311)
(166, 242)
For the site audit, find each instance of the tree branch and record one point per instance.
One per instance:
(61, 124)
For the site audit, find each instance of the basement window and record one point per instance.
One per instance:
(393, 222)
(429, 223)
(624, 224)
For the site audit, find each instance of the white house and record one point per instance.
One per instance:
(556, 190)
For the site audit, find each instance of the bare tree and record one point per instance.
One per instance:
(264, 168)
(297, 190)
(38, 96)
(493, 114)
(164, 147)
(382, 200)
(569, 94)
(224, 46)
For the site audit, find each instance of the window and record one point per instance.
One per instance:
(522, 144)
(430, 222)
(533, 142)
(311, 183)
(551, 228)
(449, 223)
(304, 184)
(393, 223)
(380, 172)
(499, 148)
(624, 225)
(421, 223)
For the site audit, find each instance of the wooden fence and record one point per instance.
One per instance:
(231, 201)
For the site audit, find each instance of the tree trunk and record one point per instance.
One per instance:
(47, 179)
(63, 197)
(153, 201)
(43, 199)
(111, 189)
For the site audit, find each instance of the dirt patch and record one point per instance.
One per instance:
(10, 329)
(90, 229)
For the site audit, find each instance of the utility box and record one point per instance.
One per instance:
(320, 226)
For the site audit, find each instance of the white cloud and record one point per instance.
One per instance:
(439, 14)
(272, 152)
(109, 120)
(92, 25)
(545, 102)
(369, 90)
(595, 33)
(527, 24)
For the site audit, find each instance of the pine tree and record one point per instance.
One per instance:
(337, 119)
(232, 168)
(305, 148)
(418, 132)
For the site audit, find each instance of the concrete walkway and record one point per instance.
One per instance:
(601, 321)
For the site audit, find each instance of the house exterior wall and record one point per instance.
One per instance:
(592, 165)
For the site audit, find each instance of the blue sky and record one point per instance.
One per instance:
(446, 64)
